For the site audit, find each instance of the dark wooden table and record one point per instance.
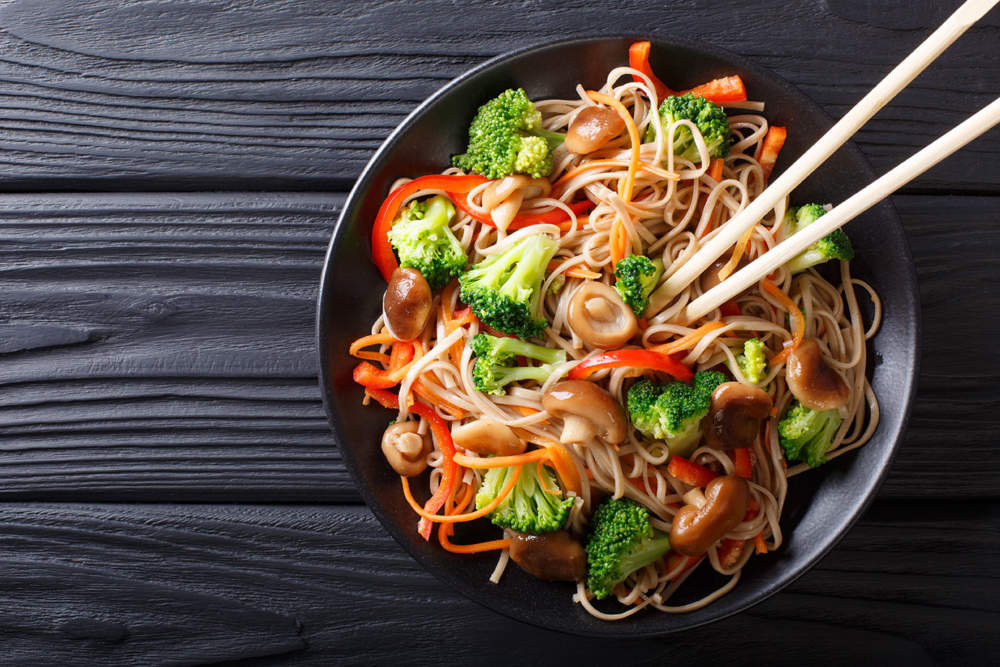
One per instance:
(171, 492)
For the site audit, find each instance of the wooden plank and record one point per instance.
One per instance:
(296, 94)
(127, 584)
(161, 347)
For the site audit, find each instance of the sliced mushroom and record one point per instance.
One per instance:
(734, 418)
(707, 517)
(587, 412)
(598, 315)
(503, 197)
(812, 381)
(489, 438)
(593, 128)
(552, 556)
(405, 449)
(407, 304)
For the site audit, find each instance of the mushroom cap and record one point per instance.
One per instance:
(695, 529)
(583, 400)
(488, 437)
(812, 381)
(733, 420)
(407, 304)
(405, 449)
(552, 556)
(592, 128)
(598, 315)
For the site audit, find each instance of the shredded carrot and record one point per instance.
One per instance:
(624, 188)
(715, 170)
(525, 410)
(602, 164)
(798, 320)
(689, 340)
(366, 341)
(737, 256)
(759, 545)
(432, 397)
(541, 481)
(501, 461)
(460, 518)
(574, 271)
(568, 474)
(618, 239)
(445, 531)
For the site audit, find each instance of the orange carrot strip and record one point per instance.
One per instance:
(574, 271)
(501, 461)
(541, 481)
(618, 239)
(759, 545)
(426, 393)
(373, 339)
(737, 256)
(624, 188)
(715, 170)
(602, 164)
(460, 518)
(568, 474)
(798, 320)
(689, 340)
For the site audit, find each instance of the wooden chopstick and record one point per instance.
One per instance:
(858, 203)
(961, 20)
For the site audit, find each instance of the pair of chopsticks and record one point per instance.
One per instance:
(963, 18)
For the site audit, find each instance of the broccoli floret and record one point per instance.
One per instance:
(806, 435)
(635, 278)
(504, 290)
(708, 117)
(673, 411)
(528, 508)
(621, 541)
(497, 366)
(506, 137)
(424, 241)
(835, 245)
(752, 362)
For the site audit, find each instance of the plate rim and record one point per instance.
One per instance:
(369, 172)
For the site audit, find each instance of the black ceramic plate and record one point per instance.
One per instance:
(821, 505)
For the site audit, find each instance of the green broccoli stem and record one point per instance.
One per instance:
(520, 348)
(554, 139)
(647, 551)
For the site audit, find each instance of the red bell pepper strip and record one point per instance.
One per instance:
(770, 147)
(442, 435)
(638, 58)
(645, 359)
(730, 551)
(556, 216)
(690, 472)
(370, 375)
(382, 253)
(730, 309)
(720, 91)
(674, 561)
(742, 463)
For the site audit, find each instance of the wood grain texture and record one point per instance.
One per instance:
(172, 353)
(911, 584)
(288, 94)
